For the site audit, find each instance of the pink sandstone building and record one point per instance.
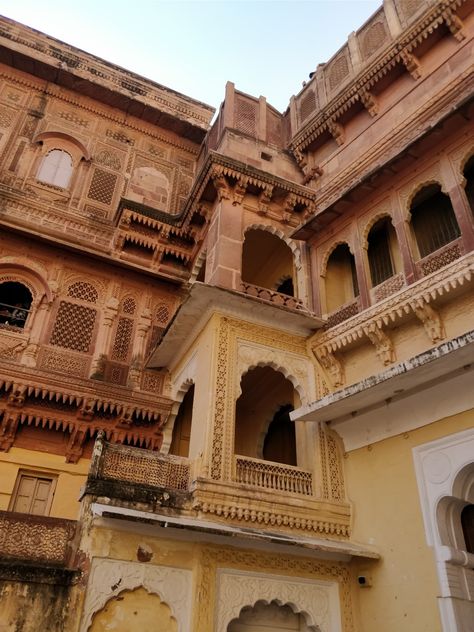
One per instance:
(236, 359)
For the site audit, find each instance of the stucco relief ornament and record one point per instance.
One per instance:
(431, 321)
(383, 345)
(331, 365)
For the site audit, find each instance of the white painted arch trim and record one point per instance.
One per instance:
(317, 600)
(108, 578)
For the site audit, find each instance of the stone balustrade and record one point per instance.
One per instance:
(277, 298)
(38, 539)
(276, 476)
(440, 258)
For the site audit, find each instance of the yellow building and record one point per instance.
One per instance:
(236, 360)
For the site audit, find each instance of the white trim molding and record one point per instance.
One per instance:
(108, 578)
(445, 476)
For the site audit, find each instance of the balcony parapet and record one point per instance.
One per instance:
(387, 288)
(440, 258)
(143, 467)
(276, 476)
(277, 298)
(36, 539)
(417, 300)
(343, 313)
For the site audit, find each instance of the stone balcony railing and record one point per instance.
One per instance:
(387, 288)
(36, 539)
(277, 298)
(135, 465)
(343, 313)
(276, 476)
(440, 258)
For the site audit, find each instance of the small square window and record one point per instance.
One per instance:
(33, 493)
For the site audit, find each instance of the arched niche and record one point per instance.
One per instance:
(263, 428)
(271, 616)
(134, 610)
(267, 261)
(109, 579)
(341, 283)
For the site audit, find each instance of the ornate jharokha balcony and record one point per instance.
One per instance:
(137, 484)
(36, 539)
(276, 476)
(277, 298)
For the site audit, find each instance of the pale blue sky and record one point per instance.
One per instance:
(265, 47)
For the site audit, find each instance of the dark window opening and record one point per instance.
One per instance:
(467, 523)
(380, 260)
(433, 220)
(279, 445)
(286, 287)
(15, 304)
(182, 426)
(469, 176)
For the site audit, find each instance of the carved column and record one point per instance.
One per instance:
(464, 215)
(40, 310)
(401, 229)
(103, 337)
(361, 274)
(136, 366)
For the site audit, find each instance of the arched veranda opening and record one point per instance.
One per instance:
(263, 429)
(267, 261)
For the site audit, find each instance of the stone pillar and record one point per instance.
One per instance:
(139, 347)
(464, 215)
(361, 274)
(103, 336)
(354, 52)
(40, 310)
(224, 259)
(229, 105)
(262, 119)
(402, 230)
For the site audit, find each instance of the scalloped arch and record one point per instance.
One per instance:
(330, 250)
(28, 271)
(279, 368)
(370, 224)
(416, 189)
(312, 627)
(278, 233)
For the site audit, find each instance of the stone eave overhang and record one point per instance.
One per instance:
(233, 168)
(371, 74)
(327, 212)
(393, 384)
(186, 527)
(54, 61)
(204, 300)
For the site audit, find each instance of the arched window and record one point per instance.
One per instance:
(341, 278)
(469, 177)
(280, 441)
(379, 251)
(15, 304)
(433, 219)
(56, 168)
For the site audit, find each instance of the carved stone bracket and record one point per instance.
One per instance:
(301, 159)
(312, 173)
(337, 131)
(240, 189)
(264, 199)
(454, 24)
(223, 188)
(369, 101)
(331, 365)
(411, 63)
(383, 345)
(8, 428)
(17, 395)
(431, 321)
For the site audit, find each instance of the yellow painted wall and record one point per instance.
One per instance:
(71, 476)
(382, 486)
